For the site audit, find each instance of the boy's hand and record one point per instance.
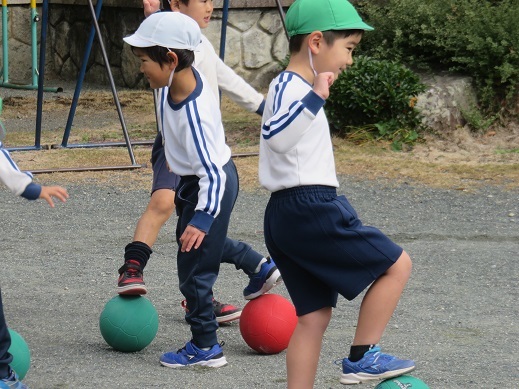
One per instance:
(191, 238)
(322, 84)
(150, 7)
(48, 192)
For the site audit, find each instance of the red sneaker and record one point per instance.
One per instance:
(130, 279)
(224, 312)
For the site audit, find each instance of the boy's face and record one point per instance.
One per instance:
(156, 75)
(337, 57)
(199, 10)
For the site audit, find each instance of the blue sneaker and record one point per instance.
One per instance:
(12, 382)
(374, 366)
(262, 281)
(191, 355)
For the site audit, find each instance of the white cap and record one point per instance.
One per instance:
(172, 30)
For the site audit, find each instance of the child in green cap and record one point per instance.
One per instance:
(321, 247)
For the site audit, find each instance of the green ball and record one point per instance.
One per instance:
(129, 323)
(21, 354)
(402, 382)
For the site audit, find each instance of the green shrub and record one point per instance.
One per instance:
(376, 97)
(479, 38)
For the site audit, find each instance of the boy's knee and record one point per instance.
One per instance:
(404, 265)
(162, 203)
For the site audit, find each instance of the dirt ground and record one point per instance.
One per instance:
(459, 158)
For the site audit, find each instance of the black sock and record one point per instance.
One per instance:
(357, 352)
(138, 251)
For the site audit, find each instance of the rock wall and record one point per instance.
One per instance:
(443, 103)
(255, 44)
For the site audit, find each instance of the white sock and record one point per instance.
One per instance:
(264, 260)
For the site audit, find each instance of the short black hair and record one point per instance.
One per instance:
(295, 43)
(159, 54)
(185, 2)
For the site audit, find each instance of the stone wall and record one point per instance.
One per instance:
(255, 44)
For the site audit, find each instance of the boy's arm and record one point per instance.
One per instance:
(293, 115)
(232, 84)
(21, 183)
(238, 89)
(16, 181)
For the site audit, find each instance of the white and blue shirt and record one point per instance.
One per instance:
(295, 145)
(20, 183)
(194, 142)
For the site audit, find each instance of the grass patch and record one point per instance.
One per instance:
(447, 165)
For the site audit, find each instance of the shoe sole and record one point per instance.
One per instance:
(228, 318)
(132, 290)
(358, 378)
(274, 279)
(212, 363)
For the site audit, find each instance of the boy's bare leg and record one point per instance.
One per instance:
(305, 347)
(380, 302)
(159, 210)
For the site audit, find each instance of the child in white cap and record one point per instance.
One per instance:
(195, 148)
(261, 271)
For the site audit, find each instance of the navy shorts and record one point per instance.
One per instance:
(163, 178)
(321, 247)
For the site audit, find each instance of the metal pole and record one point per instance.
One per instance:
(5, 43)
(34, 42)
(223, 32)
(5, 50)
(85, 169)
(41, 73)
(282, 16)
(81, 77)
(112, 84)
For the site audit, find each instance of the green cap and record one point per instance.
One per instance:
(306, 16)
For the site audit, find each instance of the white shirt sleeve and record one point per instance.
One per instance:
(219, 75)
(11, 176)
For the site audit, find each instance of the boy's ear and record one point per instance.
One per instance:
(175, 5)
(315, 40)
(173, 59)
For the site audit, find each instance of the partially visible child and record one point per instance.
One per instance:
(321, 247)
(196, 151)
(20, 184)
(262, 272)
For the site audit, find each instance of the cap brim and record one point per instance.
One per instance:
(362, 26)
(136, 41)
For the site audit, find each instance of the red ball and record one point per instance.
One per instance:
(267, 323)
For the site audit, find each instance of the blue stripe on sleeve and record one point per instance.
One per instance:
(284, 121)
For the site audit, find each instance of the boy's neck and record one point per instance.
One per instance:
(183, 84)
(299, 64)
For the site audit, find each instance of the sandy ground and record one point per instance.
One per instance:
(458, 317)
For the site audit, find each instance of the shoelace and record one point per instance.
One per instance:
(376, 356)
(183, 350)
(130, 270)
